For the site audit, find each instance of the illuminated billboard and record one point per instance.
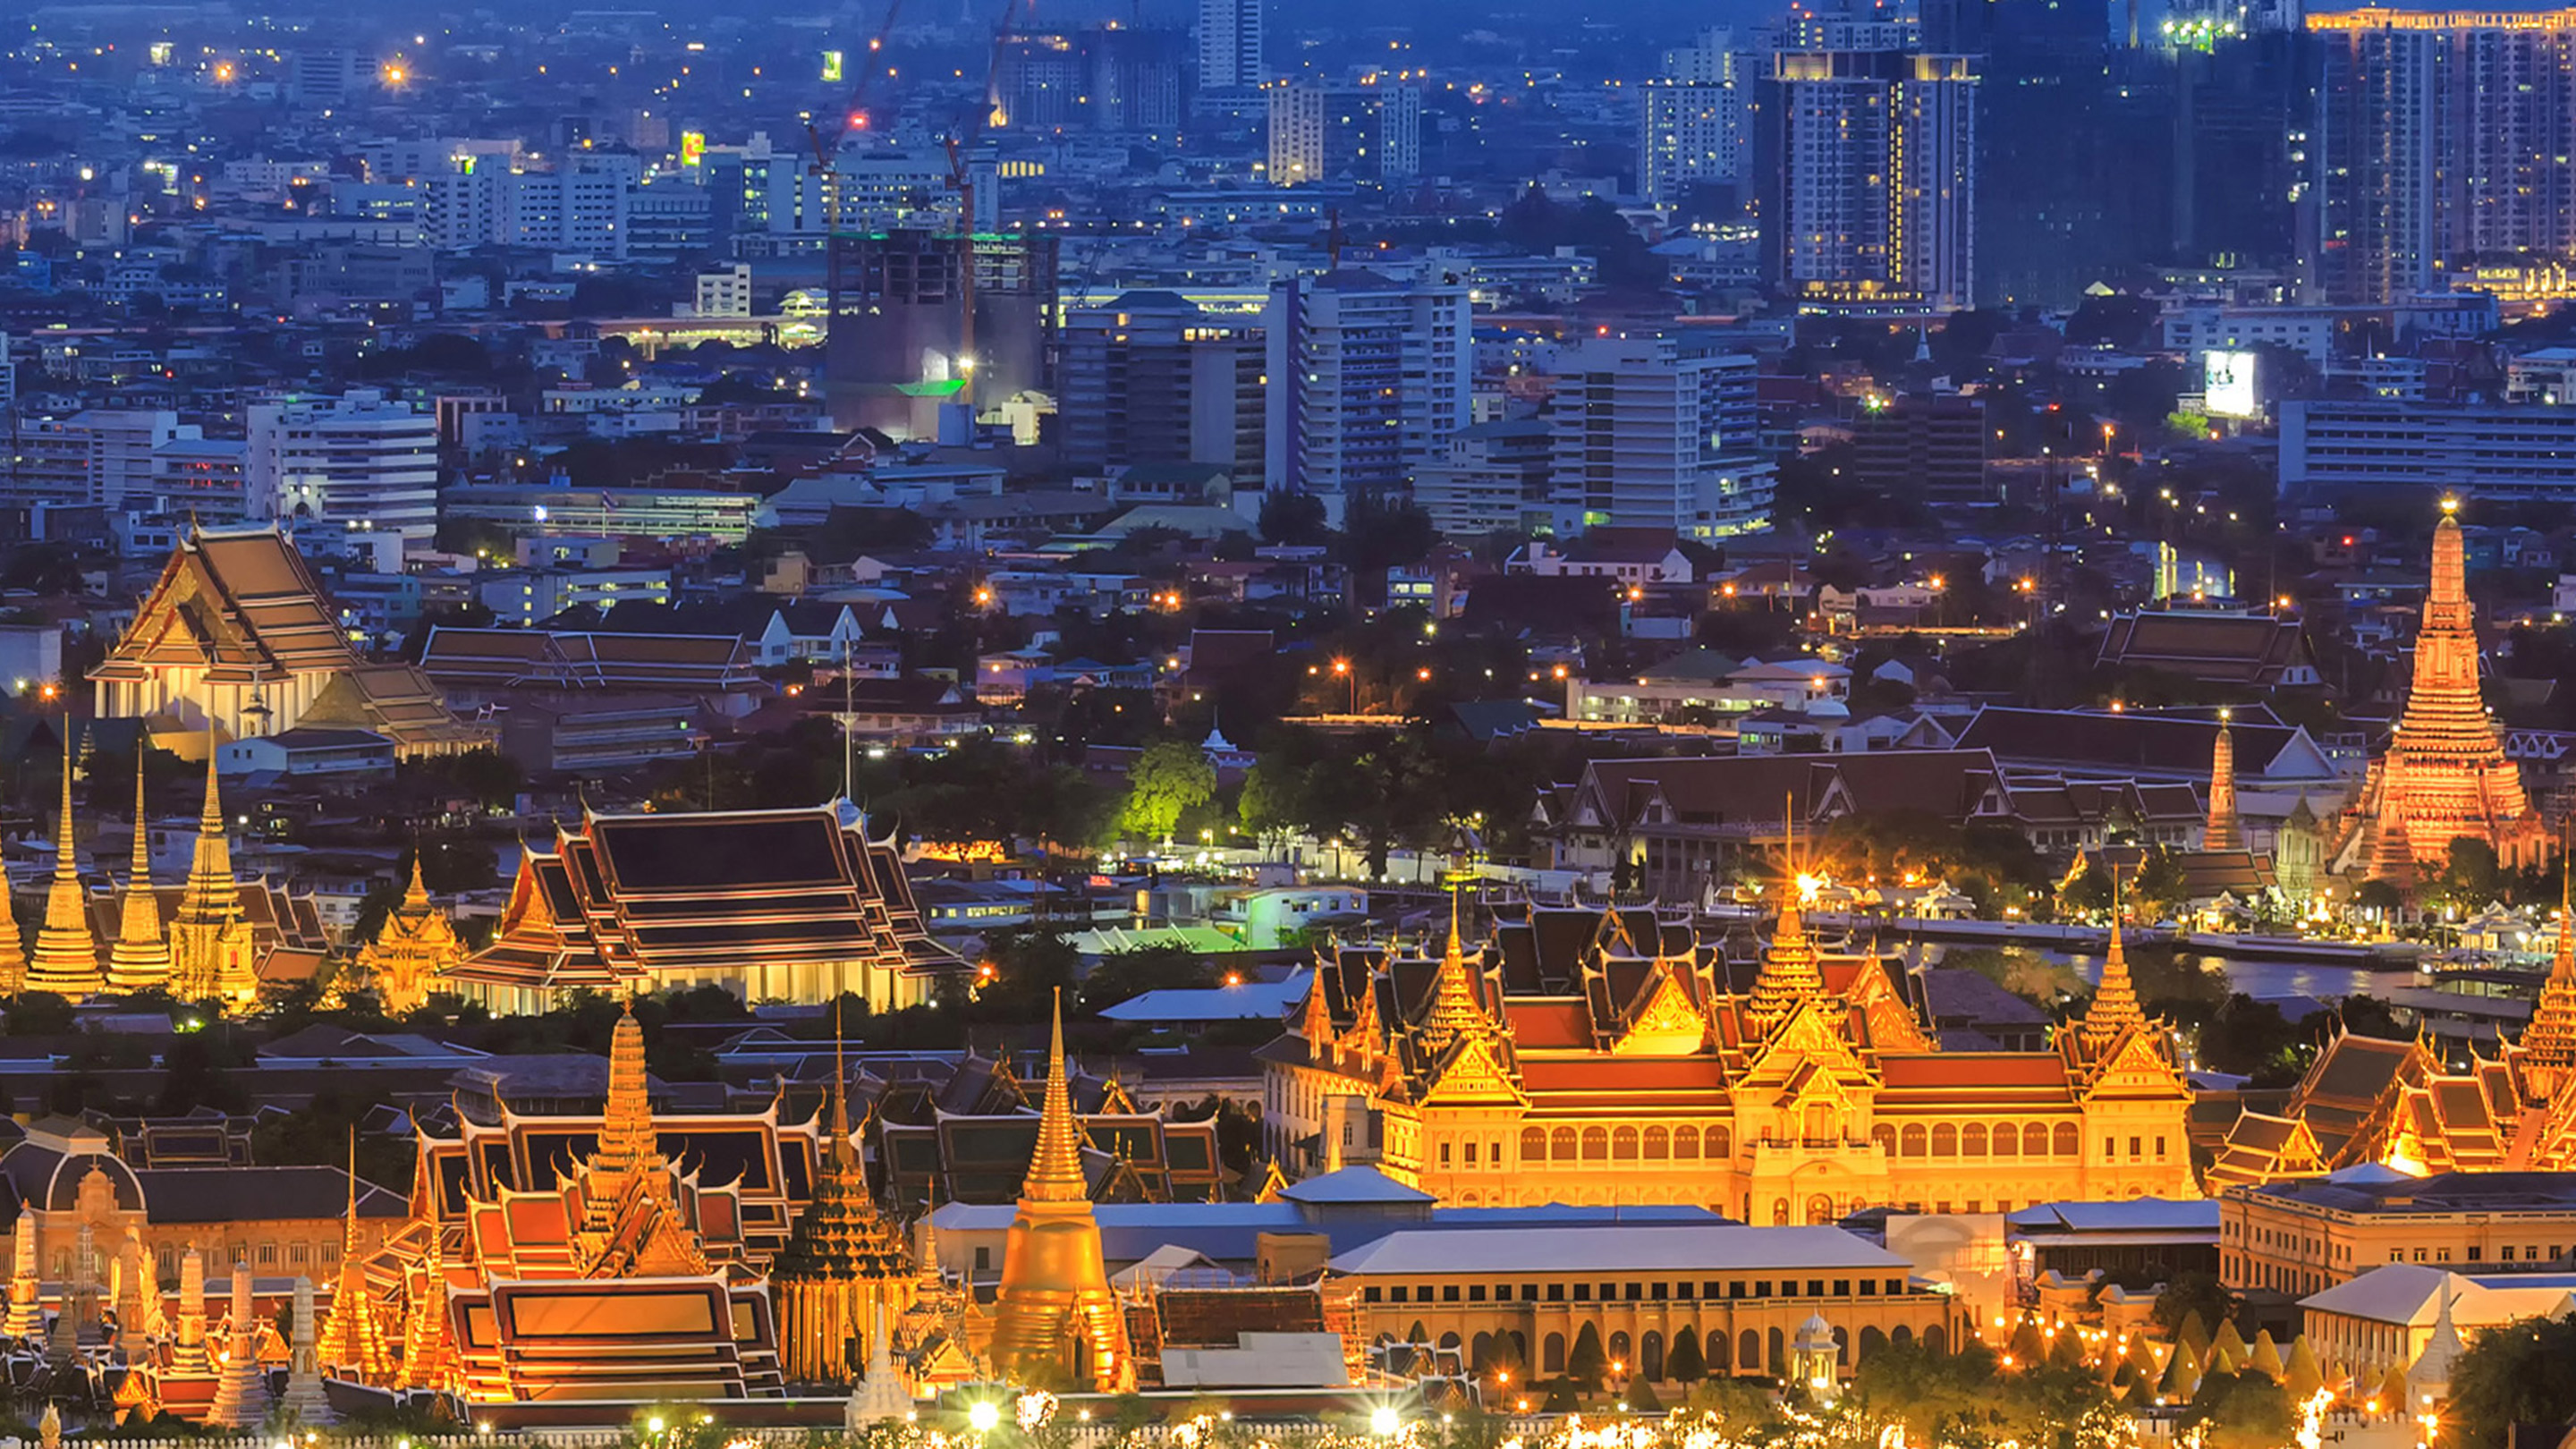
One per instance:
(2227, 379)
(693, 147)
(831, 65)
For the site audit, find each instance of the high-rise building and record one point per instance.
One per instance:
(1369, 378)
(121, 442)
(1106, 77)
(360, 459)
(581, 205)
(1493, 478)
(2440, 136)
(1650, 432)
(1869, 159)
(1230, 40)
(1153, 378)
(1371, 131)
(1695, 122)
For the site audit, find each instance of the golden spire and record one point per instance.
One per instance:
(1055, 1318)
(629, 1147)
(2549, 1042)
(66, 957)
(1454, 1011)
(429, 1355)
(2221, 833)
(1055, 1169)
(351, 1338)
(1790, 969)
(2115, 1002)
(140, 959)
(416, 895)
(209, 941)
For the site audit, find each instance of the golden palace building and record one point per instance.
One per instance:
(785, 905)
(1610, 1056)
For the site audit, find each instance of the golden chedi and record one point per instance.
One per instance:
(1056, 1322)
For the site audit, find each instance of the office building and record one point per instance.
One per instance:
(1650, 432)
(2495, 450)
(1870, 159)
(579, 206)
(1369, 132)
(1932, 446)
(896, 354)
(1493, 478)
(1105, 78)
(2441, 137)
(1230, 41)
(1695, 122)
(1370, 377)
(360, 459)
(1154, 378)
(121, 445)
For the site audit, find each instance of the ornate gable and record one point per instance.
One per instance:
(1811, 1035)
(1476, 1069)
(1665, 1023)
(2135, 1064)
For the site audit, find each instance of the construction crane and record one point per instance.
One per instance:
(826, 177)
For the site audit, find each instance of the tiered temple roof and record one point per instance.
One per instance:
(790, 904)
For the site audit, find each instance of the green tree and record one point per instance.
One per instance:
(1684, 1365)
(1586, 1363)
(2513, 1374)
(1272, 801)
(1169, 780)
(2159, 886)
(1292, 518)
(2194, 1295)
(2242, 1411)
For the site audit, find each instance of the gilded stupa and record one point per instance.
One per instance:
(2549, 1041)
(65, 960)
(2445, 774)
(414, 948)
(2222, 832)
(843, 1272)
(140, 959)
(1792, 969)
(1056, 1322)
(353, 1338)
(210, 942)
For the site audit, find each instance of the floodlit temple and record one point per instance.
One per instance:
(2367, 1100)
(598, 1257)
(1610, 1056)
(412, 952)
(2445, 774)
(792, 905)
(238, 634)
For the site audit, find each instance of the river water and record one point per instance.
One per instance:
(2259, 979)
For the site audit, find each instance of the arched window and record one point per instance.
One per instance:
(1596, 1144)
(1685, 1143)
(1779, 1360)
(1619, 1354)
(2007, 1138)
(1533, 1144)
(1721, 1143)
(1780, 1212)
(1945, 1140)
(2070, 1143)
(1480, 1354)
(1901, 1336)
(1552, 1354)
(1748, 1352)
(1820, 1210)
(2034, 1141)
(1721, 1352)
(1560, 1144)
(1871, 1341)
(1623, 1144)
(1885, 1137)
(1936, 1339)
(1650, 1356)
(1659, 1145)
(1972, 1140)
(1914, 1139)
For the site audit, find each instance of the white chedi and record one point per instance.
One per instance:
(881, 1394)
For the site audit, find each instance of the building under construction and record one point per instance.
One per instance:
(898, 353)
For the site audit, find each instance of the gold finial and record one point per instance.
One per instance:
(1055, 1169)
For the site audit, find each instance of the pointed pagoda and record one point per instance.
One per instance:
(2549, 1040)
(2446, 774)
(1455, 1011)
(843, 1267)
(26, 1316)
(304, 1402)
(1791, 973)
(428, 1352)
(140, 959)
(2114, 1008)
(210, 942)
(241, 1389)
(1055, 1321)
(630, 1222)
(352, 1339)
(412, 951)
(65, 960)
(2222, 831)
(881, 1396)
(189, 1354)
